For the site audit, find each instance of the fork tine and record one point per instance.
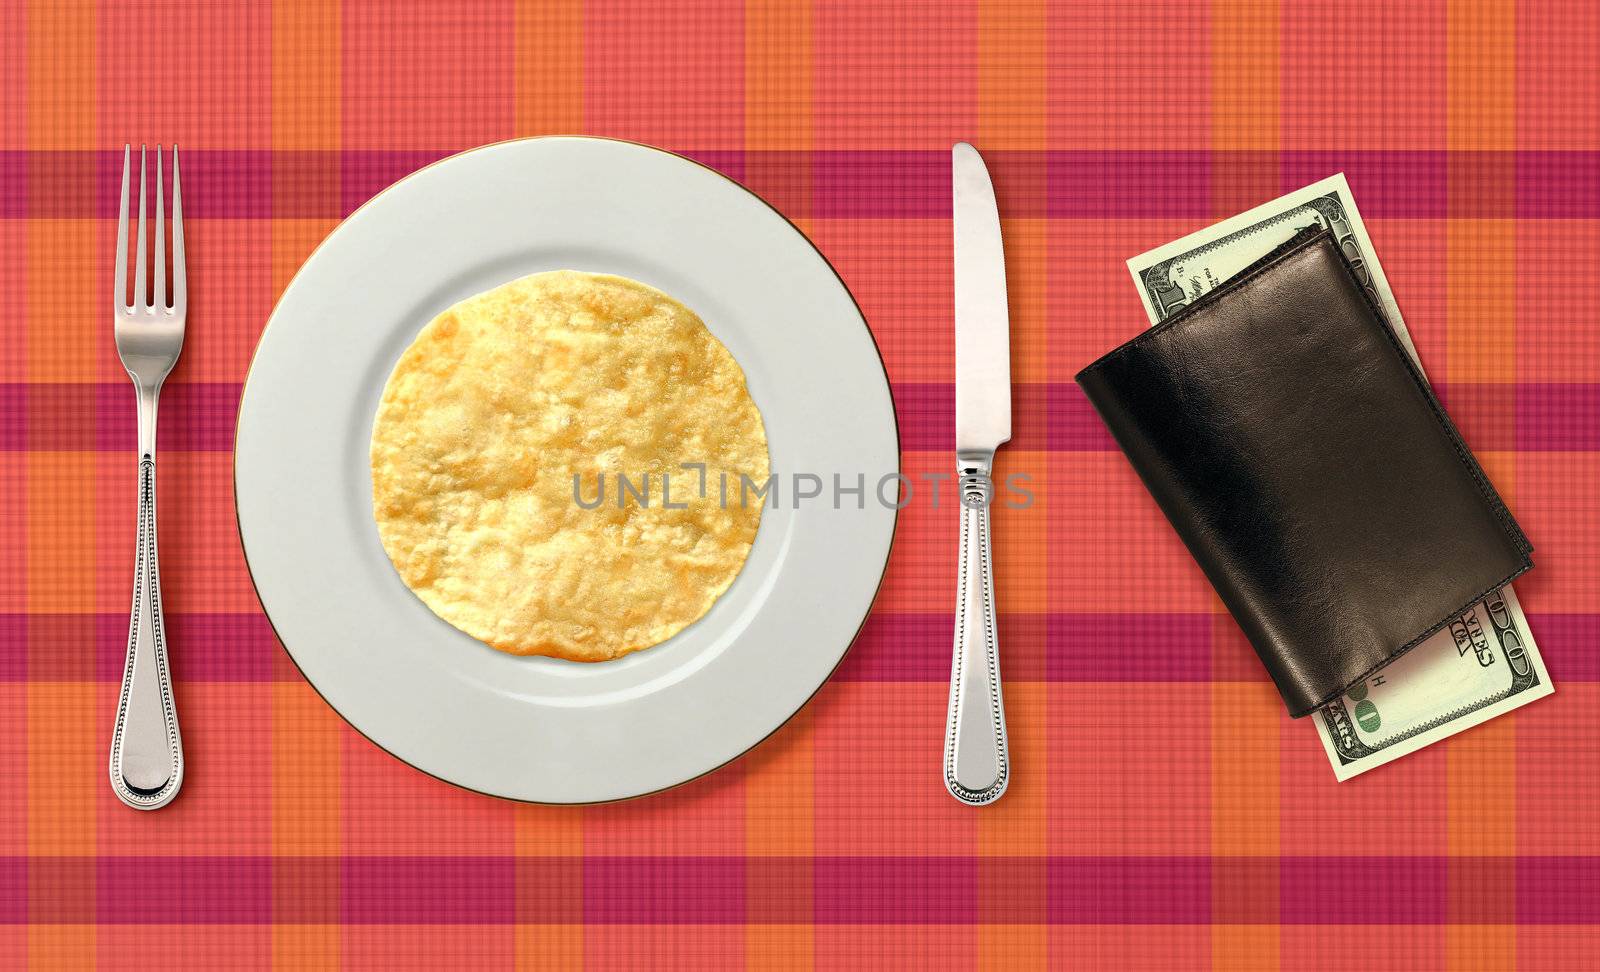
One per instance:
(160, 243)
(180, 284)
(141, 294)
(121, 301)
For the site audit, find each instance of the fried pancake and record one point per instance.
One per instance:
(507, 396)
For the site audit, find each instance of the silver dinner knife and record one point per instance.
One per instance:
(976, 763)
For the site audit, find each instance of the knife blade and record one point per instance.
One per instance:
(983, 321)
(977, 766)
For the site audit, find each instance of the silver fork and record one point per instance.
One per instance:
(146, 750)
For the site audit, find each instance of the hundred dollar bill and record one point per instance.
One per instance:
(1483, 664)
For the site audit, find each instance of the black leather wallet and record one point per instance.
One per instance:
(1303, 459)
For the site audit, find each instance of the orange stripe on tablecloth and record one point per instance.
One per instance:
(1012, 946)
(548, 832)
(1019, 823)
(779, 810)
(1013, 900)
(69, 335)
(306, 110)
(62, 946)
(1480, 296)
(1245, 719)
(62, 547)
(63, 75)
(307, 814)
(771, 947)
(66, 757)
(547, 67)
(1481, 835)
(1243, 727)
(1016, 825)
(1244, 74)
(1028, 273)
(1013, 75)
(1245, 109)
(777, 102)
(1473, 947)
(67, 785)
(1481, 47)
(293, 241)
(305, 946)
(777, 78)
(1245, 948)
(548, 946)
(780, 776)
(1480, 269)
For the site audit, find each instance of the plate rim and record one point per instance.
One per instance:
(894, 418)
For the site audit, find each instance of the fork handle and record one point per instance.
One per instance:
(146, 750)
(976, 763)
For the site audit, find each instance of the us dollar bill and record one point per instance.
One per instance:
(1483, 664)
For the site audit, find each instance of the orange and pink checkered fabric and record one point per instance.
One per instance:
(1165, 813)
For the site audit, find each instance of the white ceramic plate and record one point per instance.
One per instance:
(537, 728)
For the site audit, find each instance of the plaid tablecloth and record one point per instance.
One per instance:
(1165, 812)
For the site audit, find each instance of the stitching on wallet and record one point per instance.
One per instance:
(1508, 524)
(1419, 639)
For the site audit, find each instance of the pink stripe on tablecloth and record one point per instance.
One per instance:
(1056, 647)
(1558, 184)
(927, 414)
(664, 890)
(207, 647)
(228, 890)
(1362, 890)
(1406, 890)
(1558, 417)
(1558, 890)
(1567, 645)
(892, 647)
(427, 890)
(895, 890)
(100, 416)
(1129, 890)
(865, 184)
(1053, 416)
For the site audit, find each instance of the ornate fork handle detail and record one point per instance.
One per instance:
(977, 765)
(146, 749)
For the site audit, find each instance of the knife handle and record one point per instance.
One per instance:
(977, 765)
